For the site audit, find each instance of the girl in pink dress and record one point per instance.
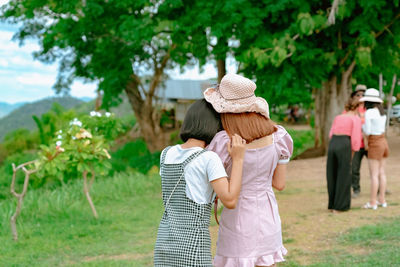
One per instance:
(250, 234)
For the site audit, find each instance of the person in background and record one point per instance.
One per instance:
(345, 138)
(358, 155)
(377, 146)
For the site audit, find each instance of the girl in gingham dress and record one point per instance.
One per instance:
(190, 175)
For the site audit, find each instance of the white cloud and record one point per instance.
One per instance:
(3, 2)
(3, 62)
(79, 89)
(37, 79)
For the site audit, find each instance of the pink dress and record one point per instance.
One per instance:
(251, 234)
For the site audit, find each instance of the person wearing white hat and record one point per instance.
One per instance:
(250, 234)
(377, 146)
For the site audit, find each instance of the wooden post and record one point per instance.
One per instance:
(380, 84)
(20, 196)
(389, 109)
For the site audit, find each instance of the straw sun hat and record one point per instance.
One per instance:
(359, 88)
(235, 94)
(371, 95)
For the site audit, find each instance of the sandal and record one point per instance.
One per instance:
(383, 205)
(369, 206)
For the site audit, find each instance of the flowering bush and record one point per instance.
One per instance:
(80, 146)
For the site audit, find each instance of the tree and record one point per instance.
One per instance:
(124, 45)
(297, 48)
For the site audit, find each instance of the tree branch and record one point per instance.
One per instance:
(386, 27)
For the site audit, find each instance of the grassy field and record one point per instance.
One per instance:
(56, 228)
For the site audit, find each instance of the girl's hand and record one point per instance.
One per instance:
(236, 147)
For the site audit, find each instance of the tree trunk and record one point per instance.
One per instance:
(221, 50)
(147, 117)
(221, 66)
(329, 102)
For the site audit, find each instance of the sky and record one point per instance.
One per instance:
(23, 79)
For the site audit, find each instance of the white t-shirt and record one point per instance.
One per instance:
(199, 172)
(374, 123)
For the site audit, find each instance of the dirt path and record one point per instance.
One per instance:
(308, 228)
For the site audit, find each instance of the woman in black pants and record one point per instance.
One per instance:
(345, 139)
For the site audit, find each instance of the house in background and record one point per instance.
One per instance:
(178, 95)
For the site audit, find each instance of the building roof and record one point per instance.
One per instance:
(183, 89)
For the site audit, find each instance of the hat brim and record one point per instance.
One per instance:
(371, 99)
(250, 104)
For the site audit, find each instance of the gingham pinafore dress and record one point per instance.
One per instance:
(183, 237)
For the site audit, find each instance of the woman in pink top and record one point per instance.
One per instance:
(345, 138)
(250, 234)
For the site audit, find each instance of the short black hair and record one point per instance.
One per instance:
(201, 122)
(368, 105)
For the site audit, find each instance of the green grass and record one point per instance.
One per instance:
(380, 244)
(57, 227)
(369, 245)
(302, 139)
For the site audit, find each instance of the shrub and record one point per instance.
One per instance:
(134, 155)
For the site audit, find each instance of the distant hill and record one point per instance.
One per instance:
(86, 99)
(22, 116)
(6, 108)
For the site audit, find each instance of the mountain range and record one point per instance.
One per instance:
(6, 108)
(21, 117)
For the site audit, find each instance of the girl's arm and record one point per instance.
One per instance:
(228, 190)
(279, 178)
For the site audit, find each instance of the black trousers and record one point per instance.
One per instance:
(355, 169)
(338, 173)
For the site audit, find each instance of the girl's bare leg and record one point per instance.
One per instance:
(374, 173)
(382, 181)
(273, 265)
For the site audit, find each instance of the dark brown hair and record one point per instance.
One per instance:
(379, 106)
(250, 125)
(352, 104)
(201, 122)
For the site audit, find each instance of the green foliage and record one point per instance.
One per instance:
(6, 173)
(19, 140)
(302, 140)
(79, 147)
(134, 155)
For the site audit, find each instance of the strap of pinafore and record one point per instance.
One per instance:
(163, 153)
(183, 165)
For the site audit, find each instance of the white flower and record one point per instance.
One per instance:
(73, 138)
(58, 143)
(108, 114)
(59, 136)
(76, 122)
(98, 114)
(60, 131)
(92, 113)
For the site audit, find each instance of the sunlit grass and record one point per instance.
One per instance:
(57, 227)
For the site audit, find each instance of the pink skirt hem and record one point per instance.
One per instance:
(264, 260)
